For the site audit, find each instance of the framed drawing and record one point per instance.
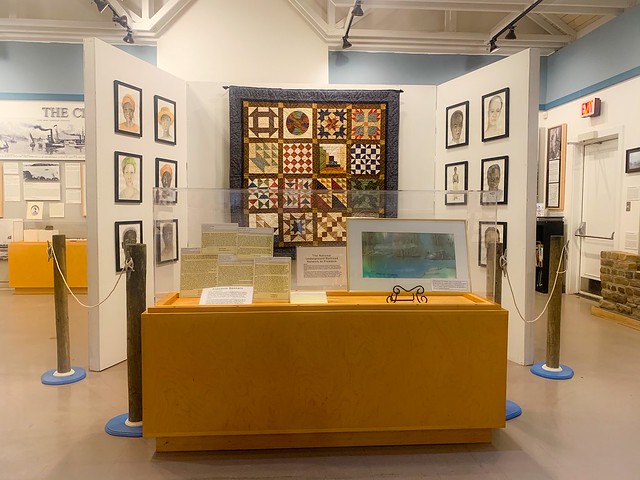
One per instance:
(495, 115)
(164, 111)
(166, 181)
(457, 126)
(555, 155)
(382, 253)
(127, 233)
(128, 177)
(487, 233)
(632, 164)
(495, 180)
(456, 178)
(127, 109)
(166, 234)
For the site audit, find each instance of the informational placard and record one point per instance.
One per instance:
(221, 238)
(197, 271)
(272, 279)
(11, 187)
(56, 210)
(235, 271)
(308, 297)
(255, 242)
(448, 285)
(321, 267)
(72, 175)
(227, 296)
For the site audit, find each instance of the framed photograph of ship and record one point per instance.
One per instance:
(457, 127)
(127, 109)
(490, 232)
(165, 120)
(456, 178)
(382, 253)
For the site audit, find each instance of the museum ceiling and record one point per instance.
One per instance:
(414, 26)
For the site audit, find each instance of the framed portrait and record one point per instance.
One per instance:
(384, 252)
(165, 120)
(495, 180)
(127, 108)
(495, 115)
(555, 163)
(166, 181)
(128, 177)
(456, 178)
(457, 126)
(490, 232)
(127, 233)
(166, 236)
(632, 164)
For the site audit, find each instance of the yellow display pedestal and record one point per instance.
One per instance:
(354, 371)
(31, 272)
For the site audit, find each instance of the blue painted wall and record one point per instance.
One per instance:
(49, 70)
(402, 68)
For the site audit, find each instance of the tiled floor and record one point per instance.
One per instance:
(581, 429)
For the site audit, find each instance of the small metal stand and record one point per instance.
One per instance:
(416, 295)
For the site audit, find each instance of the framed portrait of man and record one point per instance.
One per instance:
(494, 180)
(495, 115)
(166, 181)
(457, 127)
(127, 233)
(166, 244)
(128, 177)
(456, 178)
(165, 120)
(490, 232)
(127, 107)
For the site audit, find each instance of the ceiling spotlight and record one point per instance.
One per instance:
(511, 34)
(122, 20)
(492, 45)
(357, 9)
(128, 38)
(101, 4)
(345, 42)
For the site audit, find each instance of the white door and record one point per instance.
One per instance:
(600, 187)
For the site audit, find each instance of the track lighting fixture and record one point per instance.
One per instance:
(101, 4)
(511, 34)
(122, 20)
(511, 28)
(345, 43)
(128, 38)
(493, 46)
(357, 9)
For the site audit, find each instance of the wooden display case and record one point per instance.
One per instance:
(353, 371)
(30, 270)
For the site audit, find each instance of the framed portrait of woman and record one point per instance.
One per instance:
(128, 177)
(457, 127)
(127, 106)
(494, 180)
(166, 181)
(165, 120)
(166, 241)
(456, 178)
(495, 115)
(127, 233)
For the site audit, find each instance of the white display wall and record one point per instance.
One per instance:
(618, 117)
(520, 73)
(103, 65)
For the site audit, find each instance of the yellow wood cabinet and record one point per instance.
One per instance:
(30, 271)
(354, 371)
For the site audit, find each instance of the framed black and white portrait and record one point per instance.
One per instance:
(632, 163)
(128, 177)
(555, 167)
(166, 234)
(166, 181)
(456, 178)
(495, 115)
(127, 108)
(490, 232)
(127, 233)
(165, 120)
(495, 180)
(457, 127)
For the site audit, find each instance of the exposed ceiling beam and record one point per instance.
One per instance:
(450, 21)
(542, 22)
(594, 25)
(560, 24)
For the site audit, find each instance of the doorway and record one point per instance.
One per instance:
(599, 213)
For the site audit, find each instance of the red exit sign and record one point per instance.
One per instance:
(590, 108)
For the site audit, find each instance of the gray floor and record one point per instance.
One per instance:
(584, 428)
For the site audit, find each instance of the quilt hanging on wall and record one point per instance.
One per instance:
(342, 144)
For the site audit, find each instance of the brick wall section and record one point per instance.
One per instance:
(620, 282)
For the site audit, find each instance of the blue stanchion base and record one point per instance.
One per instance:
(118, 428)
(513, 410)
(565, 374)
(48, 377)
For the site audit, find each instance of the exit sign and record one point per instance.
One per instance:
(590, 108)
